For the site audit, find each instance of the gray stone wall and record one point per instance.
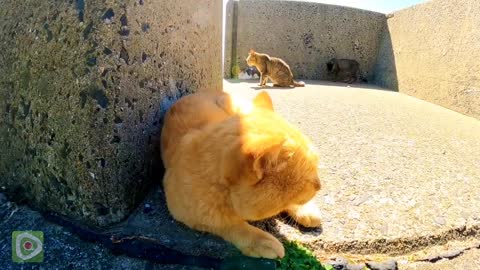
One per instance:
(306, 35)
(83, 88)
(431, 51)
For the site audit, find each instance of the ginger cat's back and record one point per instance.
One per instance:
(208, 109)
(178, 124)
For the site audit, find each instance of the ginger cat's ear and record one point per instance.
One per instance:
(251, 51)
(250, 163)
(259, 164)
(262, 155)
(264, 101)
(265, 159)
(250, 157)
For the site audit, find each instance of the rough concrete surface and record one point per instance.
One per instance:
(431, 51)
(62, 249)
(400, 174)
(306, 35)
(83, 88)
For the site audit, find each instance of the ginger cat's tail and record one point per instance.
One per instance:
(299, 84)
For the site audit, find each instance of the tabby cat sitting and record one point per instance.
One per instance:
(272, 68)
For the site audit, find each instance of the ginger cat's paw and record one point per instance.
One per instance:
(266, 246)
(310, 220)
(252, 241)
(307, 215)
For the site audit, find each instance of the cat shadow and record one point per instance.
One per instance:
(267, 87)
(340, 85)
(282, 226)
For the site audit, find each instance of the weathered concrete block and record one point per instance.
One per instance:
(431, 51)
(83, 88)
(306, 35)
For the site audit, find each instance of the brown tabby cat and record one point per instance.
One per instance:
(272, 68)
(230, 161)
(346, 70)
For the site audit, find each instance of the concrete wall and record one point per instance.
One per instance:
(306, 35)
(83, 88)
(431, 51)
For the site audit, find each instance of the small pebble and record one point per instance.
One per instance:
(387, 265)
(145, 27)
(108, 16)
(355, 267)
(124, 20)
(440, 221)
(338, 263)
(124, 31)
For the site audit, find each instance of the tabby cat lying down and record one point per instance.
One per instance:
(230, 161)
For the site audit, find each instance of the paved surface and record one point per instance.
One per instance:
(400, 174)
(401, 178)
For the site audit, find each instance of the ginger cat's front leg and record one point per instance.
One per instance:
(251, 241)
(307, 215)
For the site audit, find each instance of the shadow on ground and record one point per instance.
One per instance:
(253, 84)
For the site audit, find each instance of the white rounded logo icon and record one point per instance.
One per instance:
(27, 246)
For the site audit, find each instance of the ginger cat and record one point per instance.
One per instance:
(230, 161)
(272, 68)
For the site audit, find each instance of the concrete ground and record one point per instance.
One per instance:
(401, 181)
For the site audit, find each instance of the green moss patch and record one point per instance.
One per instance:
(298, 257)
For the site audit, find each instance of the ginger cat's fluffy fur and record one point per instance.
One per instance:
(230, 161)
(272, 68)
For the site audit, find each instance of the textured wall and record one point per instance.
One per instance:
(307, 35)
(83, 88)
(436, 47)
